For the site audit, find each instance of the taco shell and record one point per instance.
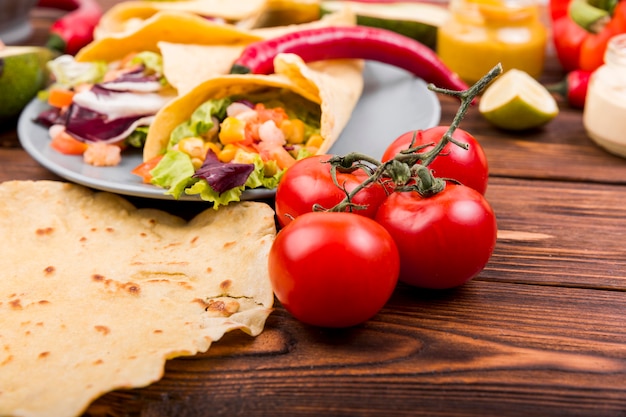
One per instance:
(335, 85)
(127, 15)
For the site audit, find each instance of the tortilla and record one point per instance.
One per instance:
(187, 65)
(335, 85)
(170, 26)
(128, 15)
(96, 294)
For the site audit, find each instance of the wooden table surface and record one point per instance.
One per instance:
(540, 332)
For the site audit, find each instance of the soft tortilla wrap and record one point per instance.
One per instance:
(335, 85)
(96, 294)
(171, 26)
(187, 65)
(128, 15)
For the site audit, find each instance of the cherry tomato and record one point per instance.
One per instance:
(309, 182)
(333, 269)
(469, 167)
(444, 240)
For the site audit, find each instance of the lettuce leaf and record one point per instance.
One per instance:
(206, 193)
(174, 173)
(152, 61)
(68, 73)
(257, 177)
(201, 121)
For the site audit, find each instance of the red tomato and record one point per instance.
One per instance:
(333, 269)
(143, 169)
(444, 240)
(469, 167)
(309, 182)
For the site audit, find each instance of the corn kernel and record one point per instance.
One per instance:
(232, 130)
(228, 153)
(293, 130)
(315, 141)
(214, 146)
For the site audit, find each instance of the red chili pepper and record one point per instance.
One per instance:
(355, 42)
(582, 47)
(75, 29)
(573, 88)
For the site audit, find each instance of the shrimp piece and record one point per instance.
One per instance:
(270, 133)
(103, 154)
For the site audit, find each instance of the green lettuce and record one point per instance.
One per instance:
(174, 173)
(200, 122)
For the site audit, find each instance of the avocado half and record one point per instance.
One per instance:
(23, 73)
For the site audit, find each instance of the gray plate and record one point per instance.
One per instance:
(393, 102)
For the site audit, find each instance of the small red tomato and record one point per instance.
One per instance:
(469, 167)
(309, 182)
(444, 240)
(333, 269)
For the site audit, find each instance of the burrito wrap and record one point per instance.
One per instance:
(335, 85)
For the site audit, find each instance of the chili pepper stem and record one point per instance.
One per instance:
(405, 166)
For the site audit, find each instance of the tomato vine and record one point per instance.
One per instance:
(408, 169)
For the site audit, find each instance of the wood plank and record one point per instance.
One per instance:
(486, 348)
(561, 150)
(559, 233)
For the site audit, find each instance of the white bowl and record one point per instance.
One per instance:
(14, 20)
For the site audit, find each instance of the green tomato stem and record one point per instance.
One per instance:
(409, 164)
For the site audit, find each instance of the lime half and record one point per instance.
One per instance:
(517, 101)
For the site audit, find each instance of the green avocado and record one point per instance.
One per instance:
(419, 21)
(22, 74)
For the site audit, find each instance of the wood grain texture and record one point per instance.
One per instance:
(540, 332)
(484, 349)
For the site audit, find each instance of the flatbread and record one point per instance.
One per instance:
(167, 26)
(187, 65)
(128, 15)
(95, 294)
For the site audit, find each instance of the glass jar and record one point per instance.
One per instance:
(604, 115)
(481, 33)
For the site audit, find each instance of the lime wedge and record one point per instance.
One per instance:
(517, 101)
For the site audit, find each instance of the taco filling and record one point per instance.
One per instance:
(230, 144)
(99, 108)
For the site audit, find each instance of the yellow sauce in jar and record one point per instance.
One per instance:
(482, 33)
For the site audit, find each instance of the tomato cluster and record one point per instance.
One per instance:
(338, 269)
